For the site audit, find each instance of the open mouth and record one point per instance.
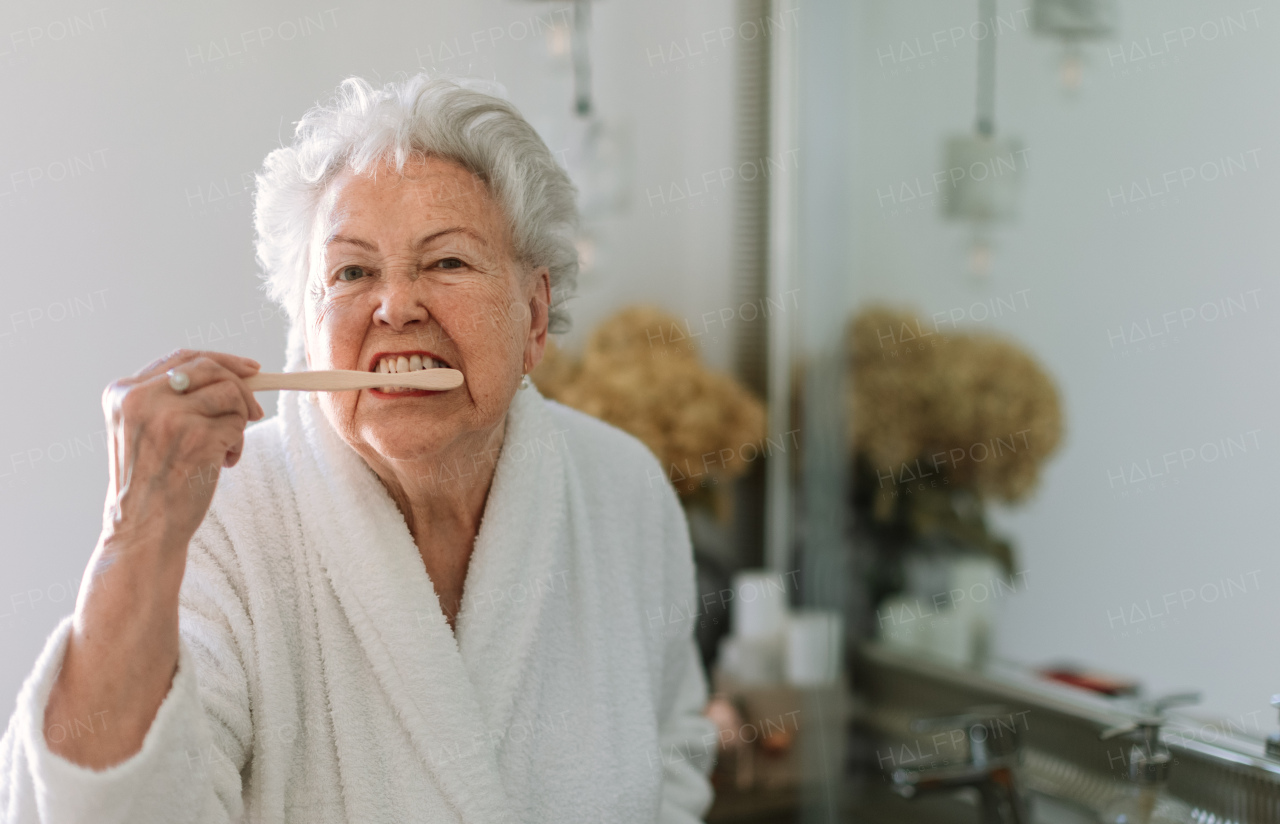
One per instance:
(391, 363)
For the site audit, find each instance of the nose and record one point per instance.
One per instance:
(401, 304)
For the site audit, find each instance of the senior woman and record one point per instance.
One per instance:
(398, 606)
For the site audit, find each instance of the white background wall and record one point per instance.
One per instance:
(1093, 546)
(149, 241)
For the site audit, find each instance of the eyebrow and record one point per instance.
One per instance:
(354, 241)
(422, 241)
(460, 230)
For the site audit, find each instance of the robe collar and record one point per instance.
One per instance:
(454, 694)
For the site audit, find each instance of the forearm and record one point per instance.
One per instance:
(121, 655)
(186, 772)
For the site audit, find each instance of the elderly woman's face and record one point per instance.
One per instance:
(421, 264)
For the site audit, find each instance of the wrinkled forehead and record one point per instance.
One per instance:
(426, 188)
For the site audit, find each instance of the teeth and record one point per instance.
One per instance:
(402, 364)
(412, 363)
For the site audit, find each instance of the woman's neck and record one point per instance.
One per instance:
(446, 492)
(443, 500)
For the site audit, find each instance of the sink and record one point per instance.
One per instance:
(1046, 809)
(961, 807)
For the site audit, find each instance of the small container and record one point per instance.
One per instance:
(815, 648)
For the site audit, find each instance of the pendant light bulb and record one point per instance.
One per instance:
(1072, 69)
(980, 255)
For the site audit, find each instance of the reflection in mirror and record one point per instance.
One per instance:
(1065, 462)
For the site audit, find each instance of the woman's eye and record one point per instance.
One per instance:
(451, 263)
(350, 273)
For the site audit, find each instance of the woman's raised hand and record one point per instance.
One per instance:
(167, 448)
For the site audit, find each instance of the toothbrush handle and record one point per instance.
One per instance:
(339, 380)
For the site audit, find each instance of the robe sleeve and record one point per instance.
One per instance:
(188, 769)
(686, 736)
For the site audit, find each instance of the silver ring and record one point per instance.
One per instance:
(179, 380)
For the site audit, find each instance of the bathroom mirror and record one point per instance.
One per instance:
(1135, 265)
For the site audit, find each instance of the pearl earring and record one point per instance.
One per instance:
(525, 383)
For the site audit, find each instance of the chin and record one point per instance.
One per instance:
(402, 445)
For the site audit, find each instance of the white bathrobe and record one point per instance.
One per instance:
(318, 680)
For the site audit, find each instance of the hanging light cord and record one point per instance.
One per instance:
(581, 57)
(987, 70)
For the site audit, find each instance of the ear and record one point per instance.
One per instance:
(539, 296)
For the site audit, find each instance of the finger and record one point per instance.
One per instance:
(219, 399)
(233, 454)
(240, 368)
(212, 392)
(204, 372)
(221, 441)
(169, 361)
(244, 367)
(228, 432)
(201, 372)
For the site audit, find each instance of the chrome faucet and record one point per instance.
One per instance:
(993, 753)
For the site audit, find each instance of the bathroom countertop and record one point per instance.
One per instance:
(755, 807)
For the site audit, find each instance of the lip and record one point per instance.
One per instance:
(373, 362)
(412, 393)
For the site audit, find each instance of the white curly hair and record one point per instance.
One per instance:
(422, 115)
